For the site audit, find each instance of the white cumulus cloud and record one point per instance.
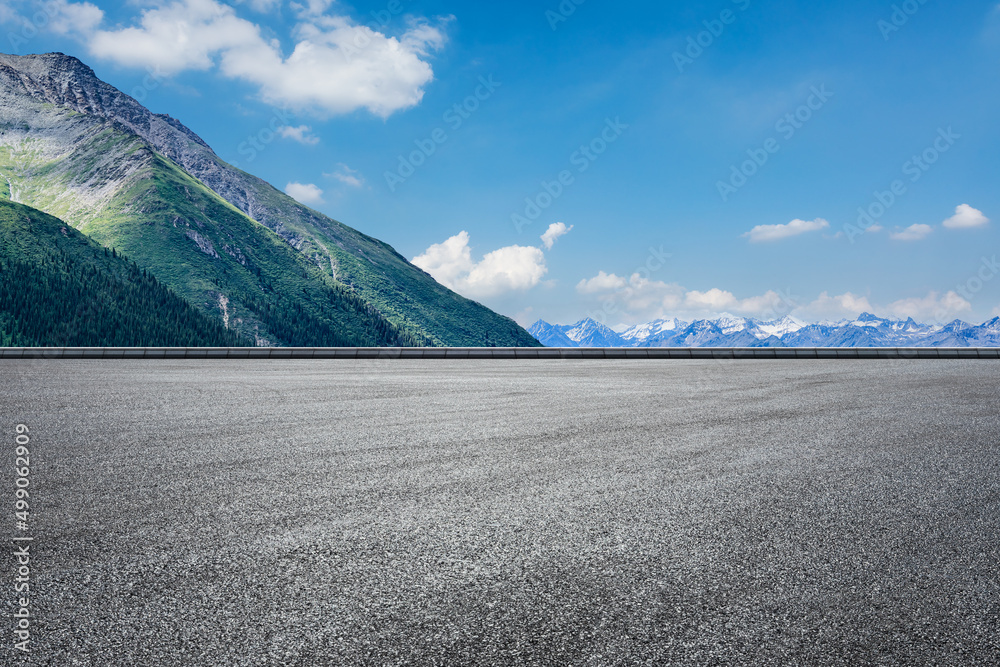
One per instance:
(554, 231)
(639, 298)
(762, 233)
(834, 308)
(510, 269)
(652, 298)
(61, 17)
(766, 306)
(69, 18)
(305, 193)
(602, 282)
(966, 217)
(714, 300)
(933, 307)
(912, 233)
(178, 36)
(336, 66)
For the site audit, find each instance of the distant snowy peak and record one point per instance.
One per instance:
(911, 326)
(866, 330)
(869, 320)
(956, 325)
(588, 333)
(585, 333)
(779, 328)
(550, 335)
(642, 332)
(992, 327)
(730, 324)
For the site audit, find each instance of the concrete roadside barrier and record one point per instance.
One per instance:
(497, 353)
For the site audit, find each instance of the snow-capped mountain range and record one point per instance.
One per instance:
(731, 331)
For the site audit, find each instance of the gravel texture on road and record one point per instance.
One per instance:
(507, 513)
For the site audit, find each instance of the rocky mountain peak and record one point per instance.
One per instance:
(56, 65)
(63, 80)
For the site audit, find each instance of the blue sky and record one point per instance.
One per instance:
(714, 156)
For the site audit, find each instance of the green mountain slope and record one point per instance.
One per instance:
(60, 289)
(213, 256)
(227, 241)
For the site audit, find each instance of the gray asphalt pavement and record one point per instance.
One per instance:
(504, 513)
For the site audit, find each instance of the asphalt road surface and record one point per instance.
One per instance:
(506, 513)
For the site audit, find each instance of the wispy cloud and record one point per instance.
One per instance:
(912, 233)
(302, 134)
(263, 6)
(764, 233)
(347, 176)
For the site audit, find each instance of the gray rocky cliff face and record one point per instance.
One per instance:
(41, 140)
